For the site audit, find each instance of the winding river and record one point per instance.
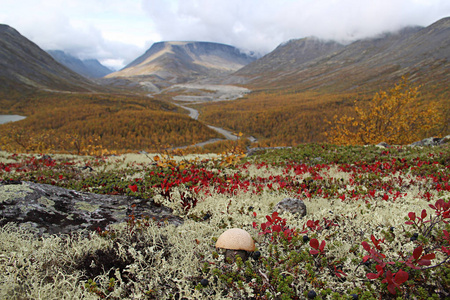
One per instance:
(219, 93)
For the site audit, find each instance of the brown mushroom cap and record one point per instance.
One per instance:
(236, 239)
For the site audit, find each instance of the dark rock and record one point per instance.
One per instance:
(444, 140)
(48, 209)
(292, 205)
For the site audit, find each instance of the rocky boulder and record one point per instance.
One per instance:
(432, 141)
(292, 205)
(48, 209)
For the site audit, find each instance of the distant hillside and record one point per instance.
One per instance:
(178, 62)
(309, 63)
(25, 66)
(290, 56)
(90, 68)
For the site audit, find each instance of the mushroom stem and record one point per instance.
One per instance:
(230, 253)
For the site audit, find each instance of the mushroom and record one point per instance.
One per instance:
(236, 242)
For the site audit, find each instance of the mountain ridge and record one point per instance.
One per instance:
(23, 65)
(90, 68)
(412, 50)
(182, 61)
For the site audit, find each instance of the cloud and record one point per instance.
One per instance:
(83, 28)
(263, 24)
(118, 31)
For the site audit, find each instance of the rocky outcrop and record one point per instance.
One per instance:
(432, 141)
(47, 209)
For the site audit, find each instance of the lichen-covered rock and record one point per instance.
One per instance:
(383, 145)
(432, 141)
(292, 205)
(48, 209)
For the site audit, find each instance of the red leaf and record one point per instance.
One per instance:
(417, 252)
(391, 289)
(447, 235)
(425, 260)
(314, 243)
(133, 188)
(424, 214)
(276, 228)
(378, 274)
(412, 216)
(366, 246)
(445, 250)
(374, 240)
(274, 215)
(429, 256)
(313, 252)
(400, 277)
(322, 246)
(372, 276)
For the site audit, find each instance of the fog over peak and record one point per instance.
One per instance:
(118, 31)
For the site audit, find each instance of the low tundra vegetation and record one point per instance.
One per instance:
(376, 227)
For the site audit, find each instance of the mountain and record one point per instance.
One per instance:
(290, 56)
(25, 66)
(90, 68)
(177, 62)
(309, 63)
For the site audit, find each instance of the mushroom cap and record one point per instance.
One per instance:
(236, 239)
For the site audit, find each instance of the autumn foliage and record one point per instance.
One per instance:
(92, 123)
(395, 116)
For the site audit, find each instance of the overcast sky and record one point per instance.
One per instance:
(118, 31)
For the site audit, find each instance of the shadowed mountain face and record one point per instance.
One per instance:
(178, 62)
(90, 68)
(290, 56)
(309, 63)
(23, 65)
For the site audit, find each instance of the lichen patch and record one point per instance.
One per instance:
(13, 191)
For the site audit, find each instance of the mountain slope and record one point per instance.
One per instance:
(424, 53)
(90, 68)
(290, 56)
(183, 61)
(23, 65)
